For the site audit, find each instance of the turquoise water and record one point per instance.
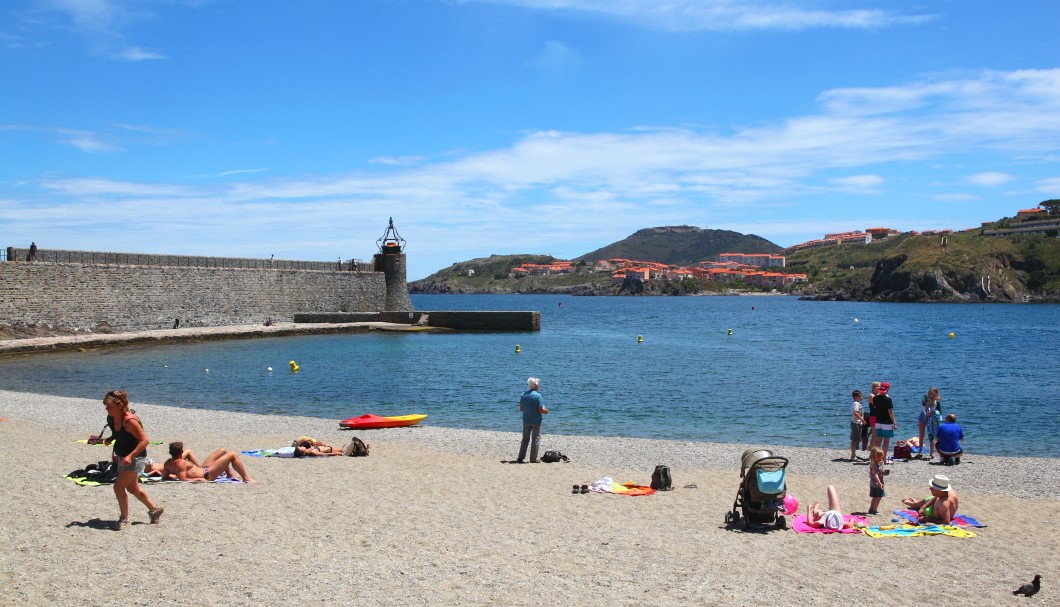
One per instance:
(783, 376)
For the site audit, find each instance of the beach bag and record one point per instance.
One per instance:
(902, 450)
(551, 457)
(355, 448)
(661, 479)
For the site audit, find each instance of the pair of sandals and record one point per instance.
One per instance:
(579, 489)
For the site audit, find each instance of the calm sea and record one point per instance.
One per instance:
(783, 376)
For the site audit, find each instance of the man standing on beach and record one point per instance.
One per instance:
(533, 408)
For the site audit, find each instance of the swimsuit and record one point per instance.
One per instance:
(832, 519)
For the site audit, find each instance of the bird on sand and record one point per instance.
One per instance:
(1030, 588)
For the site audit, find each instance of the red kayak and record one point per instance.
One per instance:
(369, 421)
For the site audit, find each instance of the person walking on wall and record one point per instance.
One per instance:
(130, 447)
(32, 252)
(533, 407)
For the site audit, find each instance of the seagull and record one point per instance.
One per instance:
(1030, 588)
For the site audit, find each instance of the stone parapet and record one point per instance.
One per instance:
(97, 297)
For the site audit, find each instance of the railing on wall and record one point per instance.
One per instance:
(184, 261)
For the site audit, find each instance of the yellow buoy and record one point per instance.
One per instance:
(517, 349)
(294, 366)
(952, 335)
(730, 331)
(640, 339)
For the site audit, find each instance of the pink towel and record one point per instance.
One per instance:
(798, 524)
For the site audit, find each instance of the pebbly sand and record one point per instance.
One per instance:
(433, 517)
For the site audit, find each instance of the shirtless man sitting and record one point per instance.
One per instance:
(940, 507)
(183, 466)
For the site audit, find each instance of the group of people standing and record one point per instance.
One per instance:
(876, 426)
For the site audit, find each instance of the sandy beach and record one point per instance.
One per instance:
(433, 517)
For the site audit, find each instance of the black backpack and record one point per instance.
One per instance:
(355, 448)
(551, 457)
(660, 479)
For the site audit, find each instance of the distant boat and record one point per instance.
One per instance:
(369, 421)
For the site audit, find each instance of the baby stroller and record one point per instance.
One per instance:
(760, 499)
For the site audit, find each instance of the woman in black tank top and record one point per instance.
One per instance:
(130, 451)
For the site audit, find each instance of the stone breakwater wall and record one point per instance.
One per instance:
(100, 297)
(461, 320)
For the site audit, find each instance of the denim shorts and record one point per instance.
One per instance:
(877, 492)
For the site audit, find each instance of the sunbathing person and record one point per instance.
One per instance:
(831, 518)
(183, 466)
(307, 447)
(154, 469)
(940, 507)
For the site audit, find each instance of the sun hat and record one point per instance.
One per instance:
(884, 387)
(940, 482)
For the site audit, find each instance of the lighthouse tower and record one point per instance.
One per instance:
(390, 260)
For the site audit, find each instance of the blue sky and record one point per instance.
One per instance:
(296, 128)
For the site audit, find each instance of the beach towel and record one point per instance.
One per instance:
(281, 452)
(84, 441)
(917, 530)
(799, 525)
(959, 519)
(87, 482)
(606, 485)
(157, 480)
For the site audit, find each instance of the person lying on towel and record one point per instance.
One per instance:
(183, 466)
(307, 447)
(832, 518)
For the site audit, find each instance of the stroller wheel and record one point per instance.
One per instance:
(782, 523)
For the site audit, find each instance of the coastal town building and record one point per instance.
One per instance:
(731, 267)
(764, 260)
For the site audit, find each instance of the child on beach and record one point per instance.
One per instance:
(929, 419)
(857, 424)
(876, 473)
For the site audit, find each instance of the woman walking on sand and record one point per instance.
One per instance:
(130, 449)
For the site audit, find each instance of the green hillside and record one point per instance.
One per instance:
(920, 268)
(681, 245)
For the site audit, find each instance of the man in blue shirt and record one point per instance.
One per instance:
(533, 408)
(949, 441)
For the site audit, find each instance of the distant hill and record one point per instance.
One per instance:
(681, 245)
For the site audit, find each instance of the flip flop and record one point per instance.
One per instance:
(575, 490)
(585, 488)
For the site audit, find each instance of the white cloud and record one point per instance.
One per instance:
(240, 172)
(133, 54)
(557, 60)
(720, 15)
(1049, 186)
(103, 24)
(858, 182)
(397, 160)
(956, 197)
(550, 190)
(990, 178)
